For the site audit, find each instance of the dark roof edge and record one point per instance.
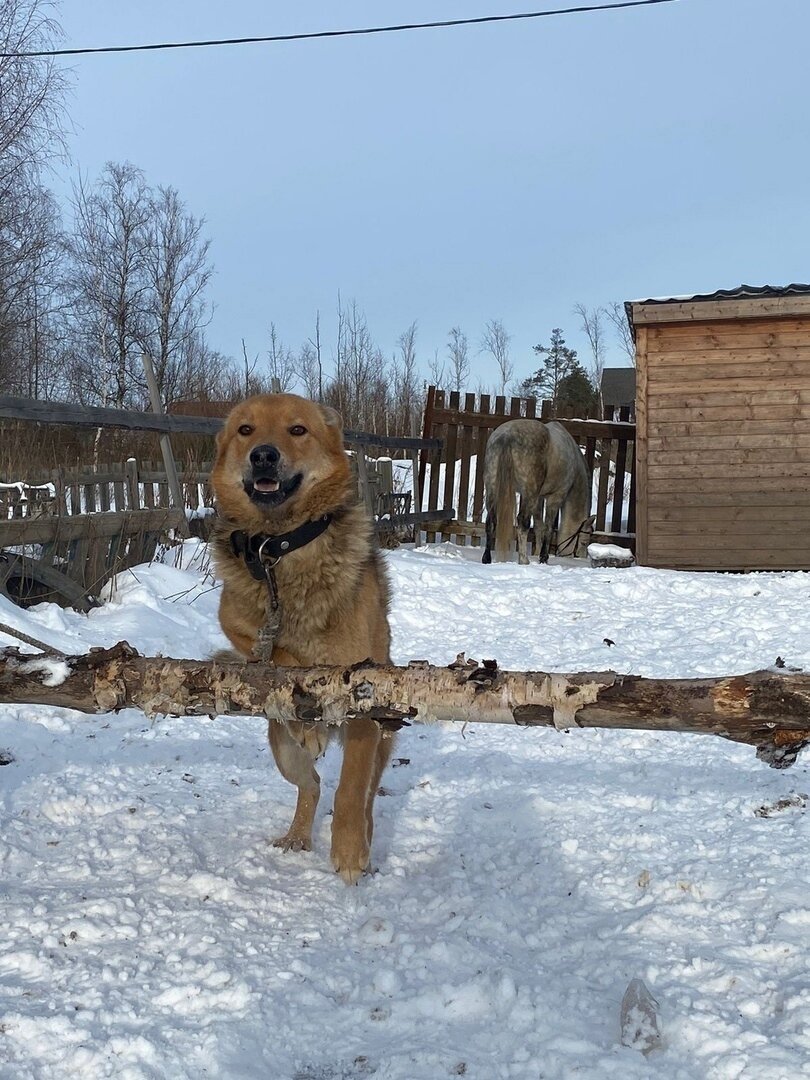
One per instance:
(741, 292)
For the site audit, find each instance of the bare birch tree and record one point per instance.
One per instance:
(618, 317)
(458, 353)
(108, 281)
(281, 365)
(312, 362)
(591, 321)
(32, 91)
(357, 387)
(495, 341)
(176, 273)
(308, 371)
(248, 382)
(407, 397)
(30, 300)
(437, 370)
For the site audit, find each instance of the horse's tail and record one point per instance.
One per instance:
(505, 503)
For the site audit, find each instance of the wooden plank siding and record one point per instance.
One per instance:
(701, 311)
(723, 435)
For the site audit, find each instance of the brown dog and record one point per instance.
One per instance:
(281, 473)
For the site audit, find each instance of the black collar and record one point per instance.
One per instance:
(262, 551)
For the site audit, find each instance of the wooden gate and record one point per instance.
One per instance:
(451, 476)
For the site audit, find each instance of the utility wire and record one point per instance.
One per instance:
(341, 33)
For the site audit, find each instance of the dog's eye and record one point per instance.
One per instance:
(298, 429)
(246, 429)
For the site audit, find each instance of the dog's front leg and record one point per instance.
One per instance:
(365, 754)
(296, 747)
(295, 758)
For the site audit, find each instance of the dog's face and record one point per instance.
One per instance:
(280, 457)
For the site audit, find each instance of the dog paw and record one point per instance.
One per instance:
(293, 842)
(350, 858)
(350, 874)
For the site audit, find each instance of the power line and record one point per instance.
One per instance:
(364, 31)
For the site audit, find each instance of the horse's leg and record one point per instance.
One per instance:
(523, 522)
(553, 504)
(491, 523)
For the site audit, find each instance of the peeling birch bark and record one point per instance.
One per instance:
(765, 709)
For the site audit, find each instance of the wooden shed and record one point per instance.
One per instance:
(723, 429)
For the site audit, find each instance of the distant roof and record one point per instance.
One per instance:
(216, 409)
(618, 386)
(741, 292)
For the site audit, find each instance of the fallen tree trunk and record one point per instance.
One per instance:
(765, 709)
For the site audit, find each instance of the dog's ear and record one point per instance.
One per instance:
(332, 417)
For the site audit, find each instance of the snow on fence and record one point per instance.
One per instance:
(110, 486)
(20, 499)
(145, 485)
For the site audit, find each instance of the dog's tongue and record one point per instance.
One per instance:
(266, 485)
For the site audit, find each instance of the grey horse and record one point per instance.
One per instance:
(537, 461)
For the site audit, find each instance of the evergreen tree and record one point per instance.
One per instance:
(558, 361)
(576, 391)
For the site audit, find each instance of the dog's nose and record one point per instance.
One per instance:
(262, 457)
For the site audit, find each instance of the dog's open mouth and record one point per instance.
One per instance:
(271, 491)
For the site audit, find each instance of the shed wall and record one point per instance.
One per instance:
(723, 416)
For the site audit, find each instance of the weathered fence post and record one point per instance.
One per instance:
(133, 488)
(165, 441)
(362, 475)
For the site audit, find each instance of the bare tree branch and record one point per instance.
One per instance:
(592, 325)
(458, 352)
(618, 317)
(495, 341)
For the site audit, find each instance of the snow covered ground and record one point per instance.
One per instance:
(524, 877)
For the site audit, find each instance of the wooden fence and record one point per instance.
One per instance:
(62, 536)
(454, 476)
(135, 485)
(68, 559)
(132, 487)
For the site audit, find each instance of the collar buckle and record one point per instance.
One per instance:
(268, 561)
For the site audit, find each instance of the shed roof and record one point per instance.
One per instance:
(759, 300)
(618, 386)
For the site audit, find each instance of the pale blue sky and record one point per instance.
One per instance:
(452, 176)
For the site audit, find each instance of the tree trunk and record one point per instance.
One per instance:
(768, 710)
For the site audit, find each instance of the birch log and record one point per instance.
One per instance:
(765, 709)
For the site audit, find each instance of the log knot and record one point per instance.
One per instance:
(567, 698)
